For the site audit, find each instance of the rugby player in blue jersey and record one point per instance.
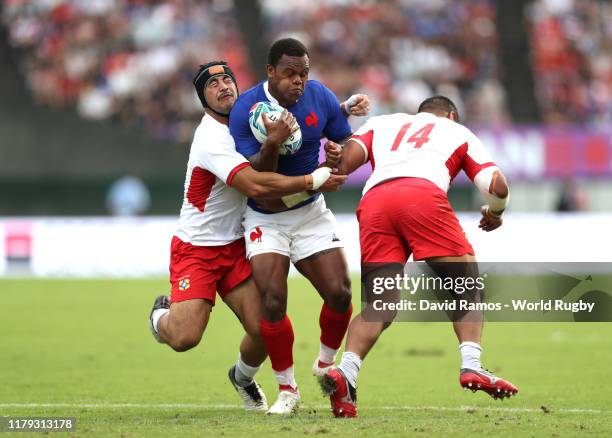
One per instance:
(300, 229)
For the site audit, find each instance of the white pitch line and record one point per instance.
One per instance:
(237, 407)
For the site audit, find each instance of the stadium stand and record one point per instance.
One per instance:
(400, 52)
(127, 60)
(131, 60)
(572, 58)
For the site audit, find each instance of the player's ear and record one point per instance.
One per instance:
(270, 71)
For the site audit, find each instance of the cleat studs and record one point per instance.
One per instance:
(479, 385)
(470, 384)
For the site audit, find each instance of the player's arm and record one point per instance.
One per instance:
(353, 157)
(357, 150)
(493, 185)
(267, 157)
(490, 181)
(269, 185)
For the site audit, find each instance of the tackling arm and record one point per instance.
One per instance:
(354, 155)
(269, 185)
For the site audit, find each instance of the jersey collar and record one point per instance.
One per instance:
(268, 95)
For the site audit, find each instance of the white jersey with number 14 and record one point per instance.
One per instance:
(420, 146)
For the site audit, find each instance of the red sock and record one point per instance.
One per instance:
(333, 326)
(278, 340)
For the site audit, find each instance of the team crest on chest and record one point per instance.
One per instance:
(312, 119)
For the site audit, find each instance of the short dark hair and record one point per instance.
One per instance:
(438, 105)
(285, 46)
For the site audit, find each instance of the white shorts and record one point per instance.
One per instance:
(296, 234)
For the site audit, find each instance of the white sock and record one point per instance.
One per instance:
(157, 314)
(350, 365)
(286, 377)
(244, 373)
(327, 354)
(470, 355)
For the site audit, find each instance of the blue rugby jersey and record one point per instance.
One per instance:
(319, 115)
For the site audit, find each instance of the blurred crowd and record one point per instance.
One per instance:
(129, 60)
(572, 54)
(401, 51)
(133, 60)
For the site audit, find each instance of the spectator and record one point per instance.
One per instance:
(572, 53)
(401, 51)
(130, 60)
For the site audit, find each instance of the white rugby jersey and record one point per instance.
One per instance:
(212, 211)
(420, 146)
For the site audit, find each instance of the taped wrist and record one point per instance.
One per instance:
(318, 177)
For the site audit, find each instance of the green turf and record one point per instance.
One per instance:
(78, 343)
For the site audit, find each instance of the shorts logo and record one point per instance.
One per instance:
(335, 238)
(255, 236)
(184, 284)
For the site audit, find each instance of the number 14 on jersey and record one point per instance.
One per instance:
(419, 138)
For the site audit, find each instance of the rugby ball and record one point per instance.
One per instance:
(273, 111)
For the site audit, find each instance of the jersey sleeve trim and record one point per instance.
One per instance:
(472, 168)
(234, 171)
(365, 141)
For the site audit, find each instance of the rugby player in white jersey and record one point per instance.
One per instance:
(405, 210)
(207, 250)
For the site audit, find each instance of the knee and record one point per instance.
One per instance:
(339, 295)
(275, 305)
(185, 342)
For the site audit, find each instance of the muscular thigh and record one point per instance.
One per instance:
(326, 270)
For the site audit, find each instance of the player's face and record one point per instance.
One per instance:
(288, 79)
(221, 93)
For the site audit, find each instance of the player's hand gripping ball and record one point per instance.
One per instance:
(291, 145)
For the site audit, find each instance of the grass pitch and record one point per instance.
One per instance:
(83, 349)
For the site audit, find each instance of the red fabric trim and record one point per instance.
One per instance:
(235, 170)
(460, 159)
(472, 168)
(455, 161)
(367, 139)
(200, 186)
